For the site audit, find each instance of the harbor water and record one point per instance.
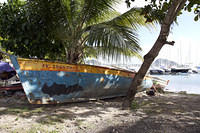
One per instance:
(189, 83)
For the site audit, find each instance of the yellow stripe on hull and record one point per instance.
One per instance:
(40, 65)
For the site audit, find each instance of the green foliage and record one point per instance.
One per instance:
(24, 32)
(157, 9)
(134, 105)
(195, 6)
(65, 29)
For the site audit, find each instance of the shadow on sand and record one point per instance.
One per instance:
(169, 113)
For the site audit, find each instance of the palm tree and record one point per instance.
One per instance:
(91, 27)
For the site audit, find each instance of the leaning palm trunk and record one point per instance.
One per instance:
(174, 9)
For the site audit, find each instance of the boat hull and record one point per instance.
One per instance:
(179, 70)
(52, 82)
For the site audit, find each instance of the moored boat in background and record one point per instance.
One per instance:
(179, 70)
(156, 71)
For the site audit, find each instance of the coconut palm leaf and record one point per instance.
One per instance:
(93, 9)
(118, 36)
(113, 40)
(131, 18)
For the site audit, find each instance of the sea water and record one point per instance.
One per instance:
(189, 83)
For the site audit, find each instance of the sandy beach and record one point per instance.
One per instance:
(163, 113)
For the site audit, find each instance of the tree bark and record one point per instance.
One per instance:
(173, 11)
(73, 53)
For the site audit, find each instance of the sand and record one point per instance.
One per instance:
(163, 113)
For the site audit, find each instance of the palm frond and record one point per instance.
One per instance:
(108, 16)
(131, 18)
(73, 11)
(93, 9)
(112, 39)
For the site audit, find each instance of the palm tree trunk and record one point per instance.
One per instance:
(175, 7)
(66, 54)
(73, 53)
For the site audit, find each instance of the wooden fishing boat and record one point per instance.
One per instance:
(46, 82)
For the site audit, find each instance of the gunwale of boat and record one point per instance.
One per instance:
(95, 66)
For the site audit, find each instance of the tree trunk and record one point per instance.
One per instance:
(175, 7)
(73, 53)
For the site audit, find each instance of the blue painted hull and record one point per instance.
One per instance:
(45, 87)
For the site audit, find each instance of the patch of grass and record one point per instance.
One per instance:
(25, 114)
(35, 128)
(16, 110)
(51, 120)
(30, 130)
(150, 111)
(138, 104)
(6, 126)
(21, 111)
(15, 132)
(17, 118)
(144, 103)
(54, 131)
(135, 105)
(38, 110)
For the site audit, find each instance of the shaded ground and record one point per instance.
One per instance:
(168, 113)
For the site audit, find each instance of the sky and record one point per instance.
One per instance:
(186, 36)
